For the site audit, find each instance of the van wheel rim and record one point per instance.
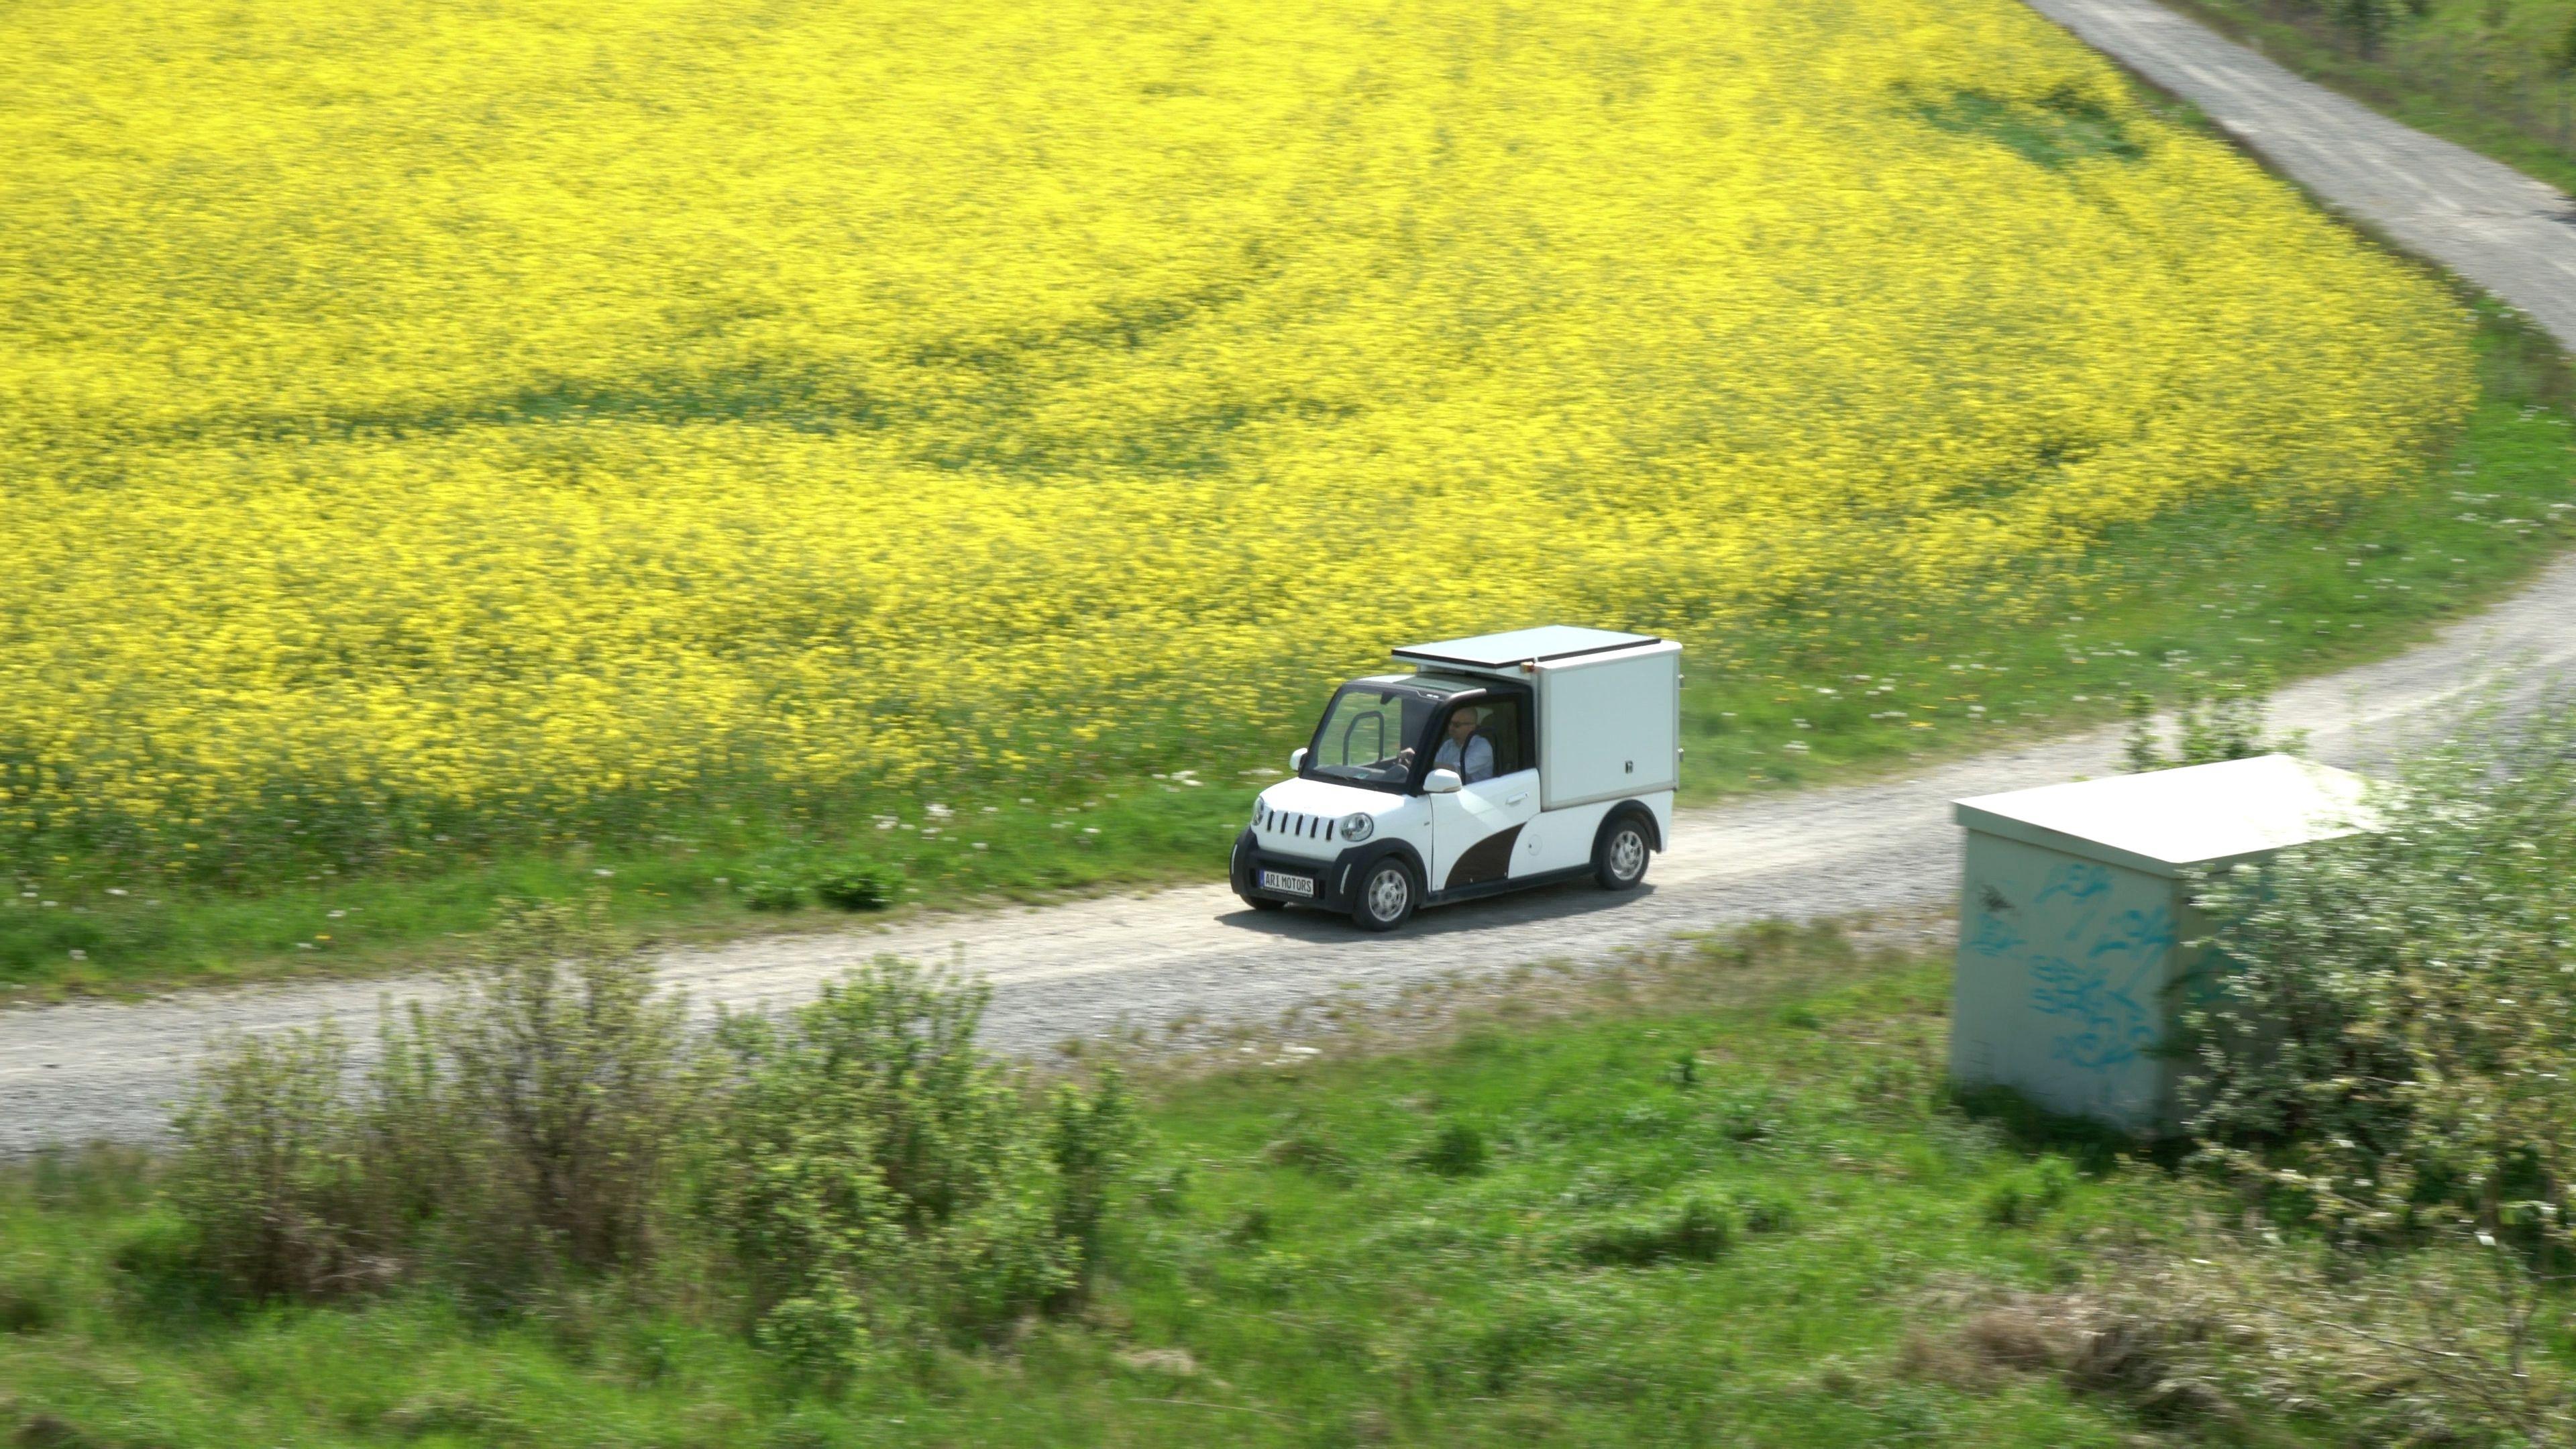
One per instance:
(1387, 893)
(1627, 854)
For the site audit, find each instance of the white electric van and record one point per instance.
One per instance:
(1502, 761)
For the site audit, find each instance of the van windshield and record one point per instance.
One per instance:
(1367, 735)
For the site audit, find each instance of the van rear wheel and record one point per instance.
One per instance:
(1619, 860)
(1386, 897)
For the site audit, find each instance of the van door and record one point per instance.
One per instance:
(1475, 831)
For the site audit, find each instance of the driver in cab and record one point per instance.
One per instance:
(1464, 751)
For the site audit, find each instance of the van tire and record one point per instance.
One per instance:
(1387, 894)
(1620, 856)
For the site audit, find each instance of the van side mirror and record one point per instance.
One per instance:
(1297, 761)
(1441, 782)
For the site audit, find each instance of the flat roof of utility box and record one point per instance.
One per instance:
(2163, 820)
(1552, 641)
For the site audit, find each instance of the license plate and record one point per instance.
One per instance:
(1295, 885)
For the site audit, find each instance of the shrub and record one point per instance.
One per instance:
(882, 1183)
(266, 1172)
(2226, 722)
(2391, 1055)
(2393, 1042)
(568, 1070)
(772, 893)
(1090, 1143)
(526, 1118)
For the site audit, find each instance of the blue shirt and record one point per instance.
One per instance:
(1480, 759)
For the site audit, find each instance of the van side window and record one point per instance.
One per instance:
(1506, 724)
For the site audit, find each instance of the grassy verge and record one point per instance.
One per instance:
(1716, 1198)
(2253, 597)
(2496, 76)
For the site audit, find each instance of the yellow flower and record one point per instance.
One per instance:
(456, 417)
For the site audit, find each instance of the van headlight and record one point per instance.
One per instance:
(1358, 826)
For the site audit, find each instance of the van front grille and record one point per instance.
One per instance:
(1296, 825)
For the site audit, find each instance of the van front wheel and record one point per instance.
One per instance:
(1619, 861)
(1387, 896)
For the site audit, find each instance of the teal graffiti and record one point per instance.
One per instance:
(1996, 935)
(2108, 1026)
(2076, 882)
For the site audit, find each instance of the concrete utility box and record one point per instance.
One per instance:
(2072, 912)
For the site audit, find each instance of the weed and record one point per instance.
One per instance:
(1457, 1149)
(854, 888)
(1693, 1232)
(2025, 1197)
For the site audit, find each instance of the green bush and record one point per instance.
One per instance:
(1091, 1140)
(267, 1172)
(2390, 1056)
(525, 1121)
(882, 1184)
(2400, 1006)
(772, 893)
(2211, 724)
(854, 888)
(566, 1071)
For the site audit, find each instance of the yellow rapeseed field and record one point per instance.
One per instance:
(491, 409)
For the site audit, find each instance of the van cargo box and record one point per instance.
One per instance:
(1609, 704)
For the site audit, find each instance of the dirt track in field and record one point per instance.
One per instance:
(82, 1071)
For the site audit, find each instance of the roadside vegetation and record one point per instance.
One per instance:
(1717, 1194)
(2497, 76)
(613, 528)
(1644, 1221)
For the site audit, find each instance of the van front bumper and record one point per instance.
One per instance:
(1331, 877)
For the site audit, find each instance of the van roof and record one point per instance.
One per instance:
(1436, 686)
(1495, 651)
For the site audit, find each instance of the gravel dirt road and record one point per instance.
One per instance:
(102, 1070)
(96, 1070)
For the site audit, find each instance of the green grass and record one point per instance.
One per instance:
(2497, 76)
(1478, 1239)
(1843, 696)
